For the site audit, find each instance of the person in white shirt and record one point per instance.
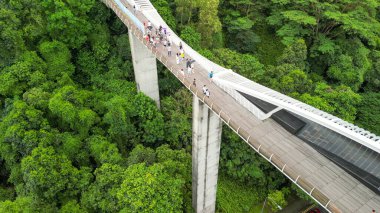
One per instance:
(177, 58)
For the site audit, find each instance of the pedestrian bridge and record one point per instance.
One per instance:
(335, 162)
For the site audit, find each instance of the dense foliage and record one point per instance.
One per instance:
(76, 136)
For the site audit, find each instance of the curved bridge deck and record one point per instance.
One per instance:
(327, 183)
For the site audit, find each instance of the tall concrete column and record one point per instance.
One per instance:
(207, 133)
(145, 69)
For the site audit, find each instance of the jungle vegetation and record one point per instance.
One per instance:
(76, 136)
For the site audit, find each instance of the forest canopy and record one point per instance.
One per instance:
(76, 136)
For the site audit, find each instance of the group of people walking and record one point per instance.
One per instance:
(162, 36)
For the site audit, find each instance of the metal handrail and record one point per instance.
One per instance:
(325, 119)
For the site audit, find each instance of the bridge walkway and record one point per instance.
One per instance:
(326, 182)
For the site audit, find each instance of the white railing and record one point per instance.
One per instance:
(230, 81)
(240, 83)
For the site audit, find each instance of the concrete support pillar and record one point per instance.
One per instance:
(145, 69)
(207, 133)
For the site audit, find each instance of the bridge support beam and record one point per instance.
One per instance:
(207, 133)
(145, 69)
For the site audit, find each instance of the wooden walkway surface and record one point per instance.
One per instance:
(329, 184)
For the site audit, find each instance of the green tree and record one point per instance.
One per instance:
(51, 177)
(310, 18)
(240, 162)
(177, 111)
(37, 98)
(7, 193)
(317, 102)
(11, 36)
(295, 54)
(58, 59)
(185, 10)
(277, 200)
(69, 105)
(209, 25)
(162, 6)
(119, 118)
(147, 189)
(21, 130)
(103, 151)
(141, 154)
(72, 207)
(21, 204)
(31, 15)
(150, 120)
(68, 21)
(100, 41)
(369, 112)
(350, 65)
(372, 76)
(244, 64)
(101, 195)
(237, 26)
(191, 37)
(294, 83)
(341, 98)
(73, 148)
(176, 162)
(28, 71)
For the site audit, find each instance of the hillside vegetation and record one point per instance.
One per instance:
(76, 136)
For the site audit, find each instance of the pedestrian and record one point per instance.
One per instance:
(134, 9)
(177, 58)
(207, 93)
(182, 54)
(169, 51)
(169, 44)
(204, 88)
(160, 28)
(194, 83)
(169, 38)
(150, 25)
(187, 63)
(210, 75)
(157, 41)
(180, 45)
(189, 71)
(182, 72)
(151, 40)
(165, 43)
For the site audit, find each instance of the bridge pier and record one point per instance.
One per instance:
(145, 69)
(207, 133)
